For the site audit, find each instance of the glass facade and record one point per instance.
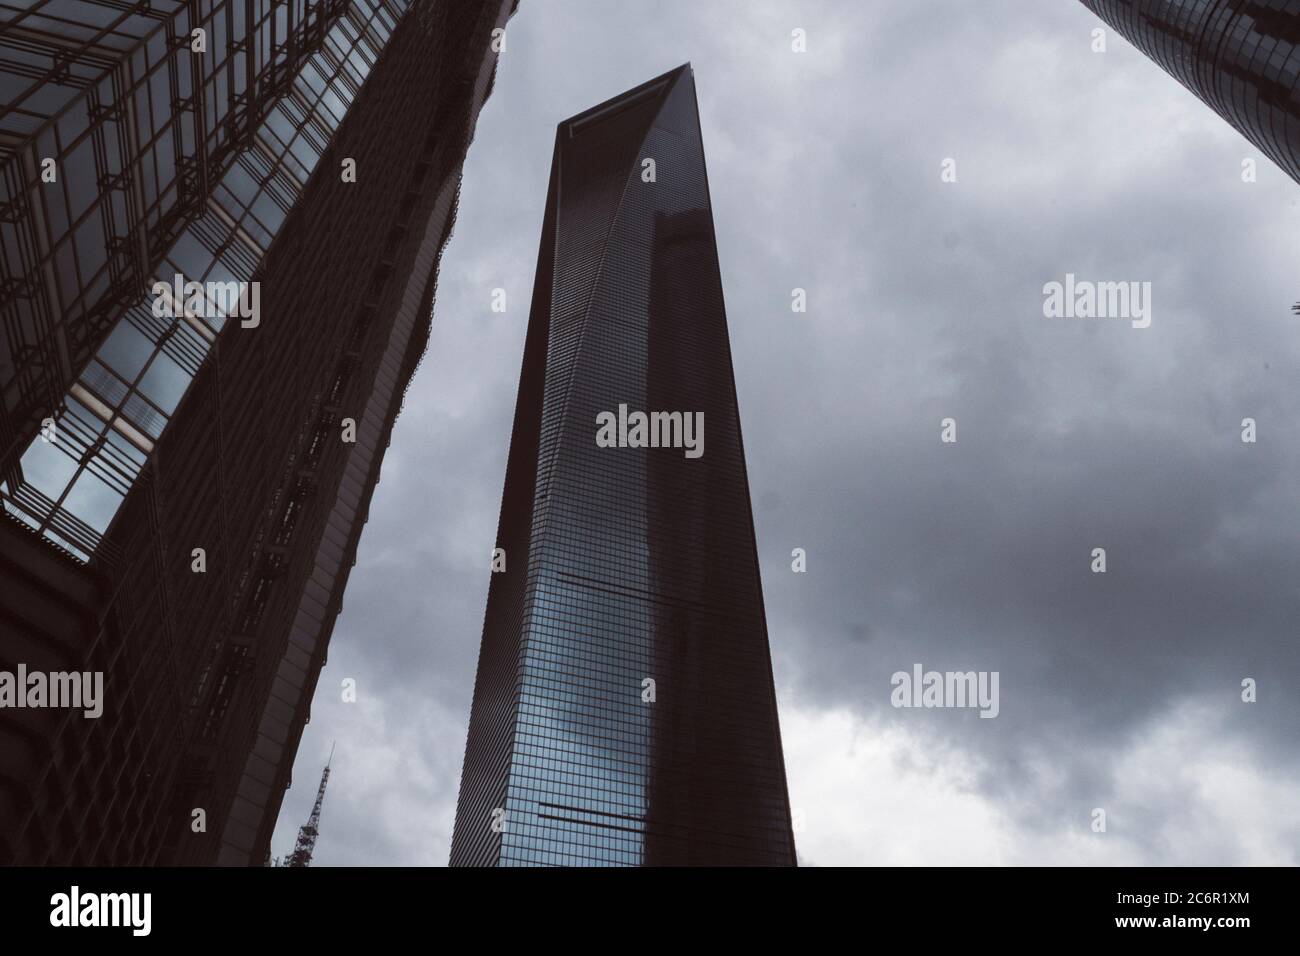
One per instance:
(198, 432)
(624, 711)
(115, 410)
(1242, 57)
(136, 110)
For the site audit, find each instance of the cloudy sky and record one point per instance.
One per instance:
(1119, 691)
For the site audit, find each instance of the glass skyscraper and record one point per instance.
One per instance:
(1241, 57)
(624, 711)
(182, 490)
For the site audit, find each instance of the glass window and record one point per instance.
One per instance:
(268, 212)
(313, 79)
(57, 207)
(190, 257)
(90, 246)
(125, 350)
(305, 152)
(78, 171)
(279, 122)
(93, 501)
(240, 183)
(104, 383)
(331, 102)
(125, 449)
(65, 267)
(164, 383)
(47, 468)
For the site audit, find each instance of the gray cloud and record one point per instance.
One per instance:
(925, 301)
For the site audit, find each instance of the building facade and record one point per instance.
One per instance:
(1241, 57)
(624, 710)
(184, 486)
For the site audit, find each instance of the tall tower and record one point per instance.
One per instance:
(182, 489)
(624, 711)
(1241, 57)
(309, 831)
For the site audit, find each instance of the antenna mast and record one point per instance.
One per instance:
(302, 850)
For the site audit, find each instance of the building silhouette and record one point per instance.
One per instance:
(183, 493)
(1241, 57)
(624, 711)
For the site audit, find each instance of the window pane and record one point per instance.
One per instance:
(164, 383)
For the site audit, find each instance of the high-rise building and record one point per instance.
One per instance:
(624, 710)
(1241, 57)
(185, 473)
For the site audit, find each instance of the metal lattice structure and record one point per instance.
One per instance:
(306, 844)
(139, 129)
(237, 449)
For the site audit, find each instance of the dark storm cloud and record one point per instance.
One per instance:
(925, 302)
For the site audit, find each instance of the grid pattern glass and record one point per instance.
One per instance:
(140, 108)
(625, 564)
(71, 488)
(1242, 57)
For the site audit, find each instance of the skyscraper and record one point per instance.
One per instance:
(1241, 57)
(624, 711)
(184, 480)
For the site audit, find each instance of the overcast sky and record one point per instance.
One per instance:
(1119, 691)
